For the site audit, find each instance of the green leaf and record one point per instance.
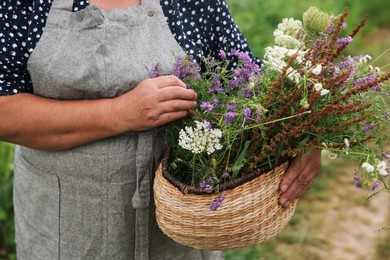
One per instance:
(240, 161)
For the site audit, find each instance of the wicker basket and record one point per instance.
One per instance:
(249, 215)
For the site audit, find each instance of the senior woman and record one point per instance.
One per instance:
(88, 123)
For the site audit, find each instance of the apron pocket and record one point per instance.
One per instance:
(36, 203)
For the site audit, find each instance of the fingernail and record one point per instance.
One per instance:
(282, 201)
(287, 204)
(284, 188)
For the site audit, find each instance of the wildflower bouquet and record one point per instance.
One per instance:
(305, 95)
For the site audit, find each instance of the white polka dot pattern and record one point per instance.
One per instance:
(201, 27)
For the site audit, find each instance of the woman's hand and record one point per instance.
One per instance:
(299, 176)
(152, 103)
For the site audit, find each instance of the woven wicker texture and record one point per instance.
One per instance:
(249, 215)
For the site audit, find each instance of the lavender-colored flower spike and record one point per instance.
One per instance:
(368, 127)
(375, 185)
(155, 71)
(217, 202)
(356, 178)
(344, 41)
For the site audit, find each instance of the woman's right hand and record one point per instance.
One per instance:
(152, 103)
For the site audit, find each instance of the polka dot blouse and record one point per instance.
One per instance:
(199, 26)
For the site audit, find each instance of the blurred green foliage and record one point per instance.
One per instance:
(257, 20)
(7, 237)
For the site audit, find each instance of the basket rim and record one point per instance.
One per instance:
(228, 185)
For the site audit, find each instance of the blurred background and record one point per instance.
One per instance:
(334, 220)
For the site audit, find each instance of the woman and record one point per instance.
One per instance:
(88, 122)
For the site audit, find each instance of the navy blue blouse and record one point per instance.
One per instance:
(199, 26)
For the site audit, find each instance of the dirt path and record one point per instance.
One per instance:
(350, 223)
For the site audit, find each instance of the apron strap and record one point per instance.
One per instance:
(62, 5)
(151, 3)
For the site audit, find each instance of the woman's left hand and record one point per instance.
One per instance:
(299, 176)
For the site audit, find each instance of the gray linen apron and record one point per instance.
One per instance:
(95, 201)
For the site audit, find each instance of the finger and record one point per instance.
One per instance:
(169, 81)
(304, 177)
(175, 106)
(291, 174)
(170, 117)
(298, 187)
(175, 93)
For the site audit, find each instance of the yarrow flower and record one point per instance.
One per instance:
(200, 138)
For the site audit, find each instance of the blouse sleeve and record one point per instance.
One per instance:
(14, 53)
(226, 34)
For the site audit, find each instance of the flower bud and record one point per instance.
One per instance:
(316, 21)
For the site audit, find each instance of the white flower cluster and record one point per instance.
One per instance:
(287, 33)
(288, 40)
(200, 138)
(381, 167)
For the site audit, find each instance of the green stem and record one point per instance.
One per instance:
(193, 170)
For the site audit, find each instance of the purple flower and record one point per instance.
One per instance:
(368, 79)
(344, 41)
(178, 66)
(243, 73)
(184, 68)
(241, 56)
(246, 92)
(368, 127)
(356, 178)
(155, 71)
(259, 113)
(231, 106)
(222, 54)
(206, 185)
(236, 83)
(216, 86)
(387, 155)
(330, 29)
(208, 124)
(376, 88)
(247, 112)
(375, 185)
(346, 63)
(217, 202)
(205, 105)
(229, 117)
(215, 102)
